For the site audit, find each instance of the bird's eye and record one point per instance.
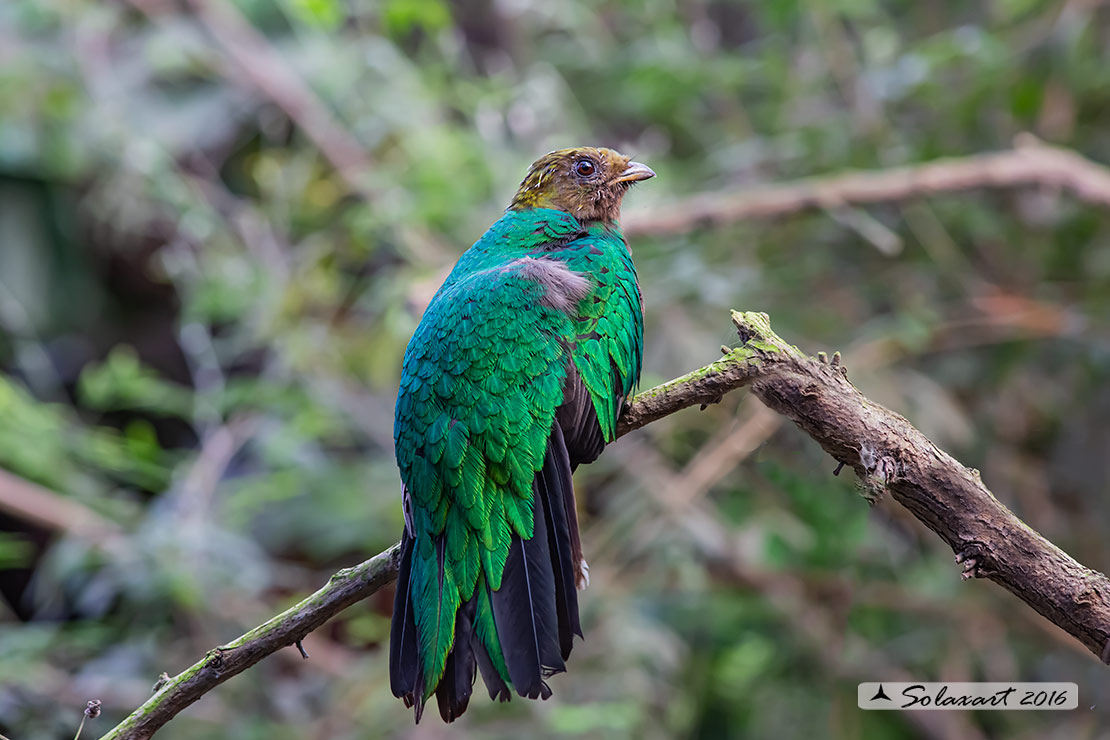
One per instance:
(585, 168)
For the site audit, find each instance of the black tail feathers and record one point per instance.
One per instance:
(405, 675)
(535, 610)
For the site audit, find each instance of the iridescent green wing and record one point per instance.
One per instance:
(608, 332)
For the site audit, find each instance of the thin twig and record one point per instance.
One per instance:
(92, 711)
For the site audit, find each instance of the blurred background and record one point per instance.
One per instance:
(220, 221)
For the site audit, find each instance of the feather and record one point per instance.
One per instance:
(554, 487)
(404, 660)
(577, 418)
(487, 647)
(524, 611)
(457, 684)
(436, 604)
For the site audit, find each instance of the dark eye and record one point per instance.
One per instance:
(585, 168)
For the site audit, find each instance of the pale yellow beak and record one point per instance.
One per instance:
(635, 172)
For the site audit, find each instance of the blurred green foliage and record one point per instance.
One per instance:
(202, 317)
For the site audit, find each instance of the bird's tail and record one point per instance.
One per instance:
(519, 634)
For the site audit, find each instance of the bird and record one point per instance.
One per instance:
(517, 373)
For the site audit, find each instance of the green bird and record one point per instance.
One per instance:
(516, 374)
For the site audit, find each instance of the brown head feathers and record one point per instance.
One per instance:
(586, 182)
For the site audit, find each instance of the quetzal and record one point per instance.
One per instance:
(517, 373)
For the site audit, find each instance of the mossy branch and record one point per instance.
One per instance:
(886, 451)
(343, 589)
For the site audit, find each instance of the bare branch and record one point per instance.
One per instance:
(1031, 162)
(45, 508)
(886, 451)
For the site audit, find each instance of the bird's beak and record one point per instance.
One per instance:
(635, 172)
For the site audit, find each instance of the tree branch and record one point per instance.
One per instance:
(44, 508)
(344, 589)
(889, 454)
(1030, 162)
(886, 451)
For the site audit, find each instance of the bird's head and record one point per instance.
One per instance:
(586, 182)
